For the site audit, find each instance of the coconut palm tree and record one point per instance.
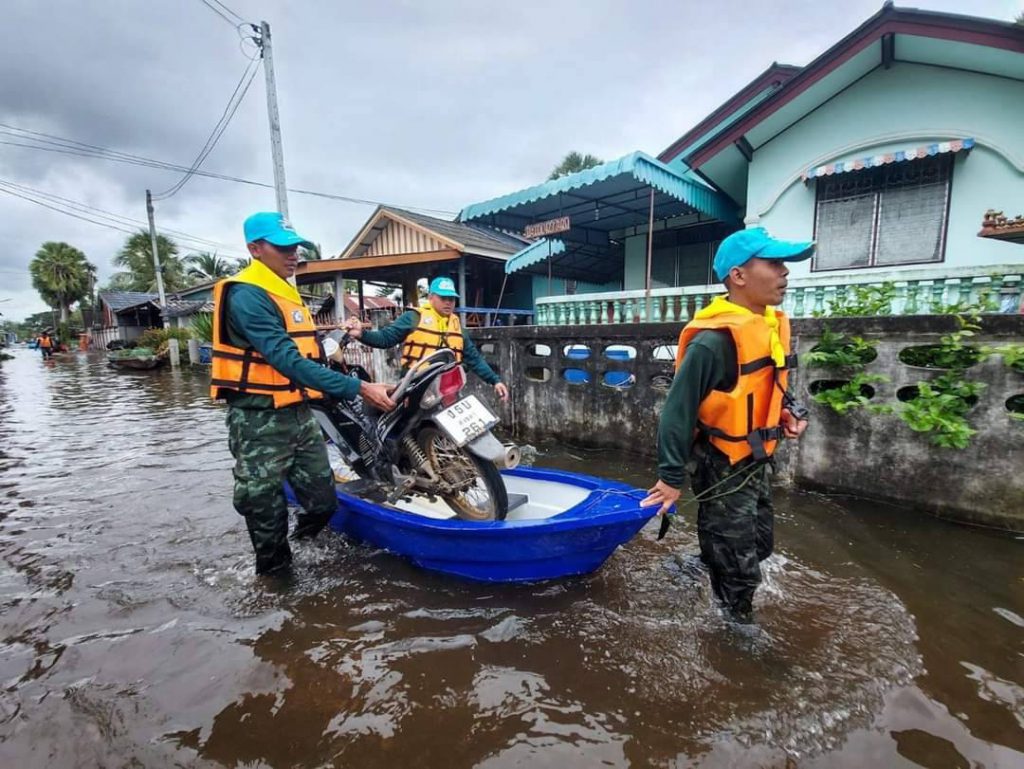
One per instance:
(61, 274)
(573, 163)
(205, 266)
(136, 256)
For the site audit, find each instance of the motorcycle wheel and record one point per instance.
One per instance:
(483, 496)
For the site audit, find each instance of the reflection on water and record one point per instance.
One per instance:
(131, 618)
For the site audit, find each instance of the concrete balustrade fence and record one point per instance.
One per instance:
(605, 387)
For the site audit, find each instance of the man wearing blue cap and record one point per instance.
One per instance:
(264, 365)
(430, 327)
(727, 410)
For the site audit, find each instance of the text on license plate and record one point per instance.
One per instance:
(466, 420)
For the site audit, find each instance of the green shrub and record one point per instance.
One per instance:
(836, 351)
(202, 326)
(157, 337)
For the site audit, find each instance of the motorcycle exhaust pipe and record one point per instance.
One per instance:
(512, 456)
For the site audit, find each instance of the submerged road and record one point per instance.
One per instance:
(133, 632)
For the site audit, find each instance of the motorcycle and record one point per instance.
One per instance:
(435, 442)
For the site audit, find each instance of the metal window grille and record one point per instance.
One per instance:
(895, 214)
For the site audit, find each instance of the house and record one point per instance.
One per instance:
(123, 316)
(887, 150)
(399, 247)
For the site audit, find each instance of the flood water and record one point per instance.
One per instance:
(133, 632)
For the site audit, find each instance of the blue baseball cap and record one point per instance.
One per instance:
(443, 287)
(273, 228)
(740, 247)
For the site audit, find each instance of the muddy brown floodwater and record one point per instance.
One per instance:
(133, 632)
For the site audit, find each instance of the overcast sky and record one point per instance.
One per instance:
(432, 104)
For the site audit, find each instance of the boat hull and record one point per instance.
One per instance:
(575, 541)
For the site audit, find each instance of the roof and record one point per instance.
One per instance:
(543, 249)
(124, 300)
(370, 304)
(182, 308)
(924, 37)
(397, 232)
(614, 185)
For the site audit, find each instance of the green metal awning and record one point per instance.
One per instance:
(609, 198)
(543, 249)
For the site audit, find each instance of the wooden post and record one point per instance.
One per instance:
(462, 289)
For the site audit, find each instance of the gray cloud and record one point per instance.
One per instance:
(429, 104)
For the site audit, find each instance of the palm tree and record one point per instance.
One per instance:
(136, 255)
(573, 163)
(61, 274)
(205, 266)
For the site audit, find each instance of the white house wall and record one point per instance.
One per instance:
(907, 106)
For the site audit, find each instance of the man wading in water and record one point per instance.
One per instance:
(264, 365)
(727, 410)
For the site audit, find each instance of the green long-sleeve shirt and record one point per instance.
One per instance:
(253, 319)
(709, 364)
(395, 333)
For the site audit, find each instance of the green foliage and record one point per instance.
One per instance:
(202, 326)
(859, 301)
(941, 407)
(139, 274)
(836, 351)
(1012, 354)
(62, 275)
(573, 163)
(850, 395)
(205, 266)
(156, 338)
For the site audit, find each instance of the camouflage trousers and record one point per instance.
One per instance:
(271, 446)
(736, 531)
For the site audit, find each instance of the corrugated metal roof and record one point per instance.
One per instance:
(642, 169)
(123, 300)
(181, 308)
(535, 252)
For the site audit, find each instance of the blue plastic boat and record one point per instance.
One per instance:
(559, 524)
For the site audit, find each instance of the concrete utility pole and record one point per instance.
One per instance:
(276, 150)
(172, 343)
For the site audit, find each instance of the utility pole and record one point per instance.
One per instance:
(275, 121)
(172, 343)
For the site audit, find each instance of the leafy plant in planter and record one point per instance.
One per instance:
(859, 301)
(836, 351)
(853, 394)
(941, 407)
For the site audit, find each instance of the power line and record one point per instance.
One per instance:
(225, 7)
(218, 129)
(217, 11)
(52, 143)
(93, 215)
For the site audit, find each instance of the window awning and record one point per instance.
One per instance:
(533, 253)
(899, 156)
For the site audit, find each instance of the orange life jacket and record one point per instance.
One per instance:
(45, 342)
(746, 420)
(244, 370)
(435, 332)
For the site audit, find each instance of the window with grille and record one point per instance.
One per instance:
(894, 214)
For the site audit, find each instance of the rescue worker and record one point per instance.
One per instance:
(728, 409)
(429, 327)
(264, 353)
(45, 344)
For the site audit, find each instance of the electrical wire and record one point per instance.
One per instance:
(218, 130)
(226, 8)
(101, 217)
(52, 143)
(219, 12)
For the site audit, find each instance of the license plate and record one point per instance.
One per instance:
(466, 420)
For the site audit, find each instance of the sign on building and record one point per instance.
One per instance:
(550, 227)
